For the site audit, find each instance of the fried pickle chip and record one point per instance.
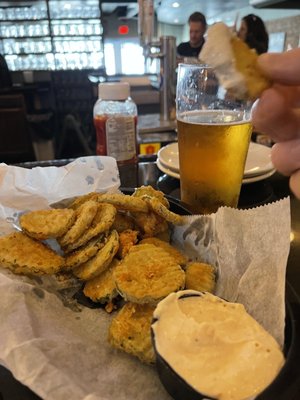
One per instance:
(233, 62)
(100, 262)
(127, 239)
(162, 211)
(84, 253)
(124, 202)
(246, 63)
(130, 331)
(176, 254)
(200, 276)
(83, 218)
(164, 235)
(102, 288)
(102, 222)
(150, 223)
(148, 274)
(150, 191)
(82, 199)
(24, 255)
(44, 224)
(122, 222)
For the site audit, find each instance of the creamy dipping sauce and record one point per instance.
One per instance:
(215, 346)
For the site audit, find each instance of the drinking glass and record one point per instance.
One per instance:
(214, 132)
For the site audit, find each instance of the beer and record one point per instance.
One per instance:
(213, 146)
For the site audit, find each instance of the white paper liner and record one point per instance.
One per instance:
(24, 189)
(59, 348)
(250, 249)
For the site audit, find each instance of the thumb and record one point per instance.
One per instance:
(281, 67)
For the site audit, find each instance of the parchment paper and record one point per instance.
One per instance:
(24, 189)
(59, 348)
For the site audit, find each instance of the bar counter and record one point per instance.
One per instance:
(252, 195)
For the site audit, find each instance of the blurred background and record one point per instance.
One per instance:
(58, 51)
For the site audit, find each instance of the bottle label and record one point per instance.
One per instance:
(120, 137)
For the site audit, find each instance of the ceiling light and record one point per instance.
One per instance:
(175, 4)
(176, 20)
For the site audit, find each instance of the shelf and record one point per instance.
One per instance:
(73, 52)
(51, 17)
(76, 19)
(76, 36)
(24, 20)
(29, 54)
(81, 37)
(24, 37)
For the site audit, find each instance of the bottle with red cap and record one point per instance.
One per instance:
(115, 120)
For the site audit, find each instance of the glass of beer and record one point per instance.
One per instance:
(214, 132)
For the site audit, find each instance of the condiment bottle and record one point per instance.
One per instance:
(115, 120)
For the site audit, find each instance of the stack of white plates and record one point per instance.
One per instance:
(258, 164)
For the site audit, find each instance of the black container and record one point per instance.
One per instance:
(286, 386)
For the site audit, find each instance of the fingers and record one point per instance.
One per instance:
(282, 67)
(276, 112)
(286, 159)
(274, 116)
(295, 183)
(286, 156)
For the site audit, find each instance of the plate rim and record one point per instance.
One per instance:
(166, 170)
(247, 173)
(245, 181)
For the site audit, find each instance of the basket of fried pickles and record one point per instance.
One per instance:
(119, 247)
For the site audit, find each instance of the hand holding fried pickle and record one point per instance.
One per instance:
(277, 112)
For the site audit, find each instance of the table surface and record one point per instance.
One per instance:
(252, 195)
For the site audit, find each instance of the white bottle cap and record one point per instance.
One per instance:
(113, 90)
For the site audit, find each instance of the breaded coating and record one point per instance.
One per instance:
(83, 218)
(102, 222)
(156, 206)
(127, 239)
(150, 223)
(102, 288)
(200, 276)
(24, 255)
(130, 331)
(176, 254)
(101, 261)
(124, 202)
(234, 63)
(122, 222)
(151, 192)
(44, 224)
(164, 235)
(84, 253)
(148, 274)
(110, 307)
(82, 199)
(246, 63)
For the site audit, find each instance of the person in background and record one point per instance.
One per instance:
(5, 78)
(192, 48)
(253, 32)
(277, 112)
